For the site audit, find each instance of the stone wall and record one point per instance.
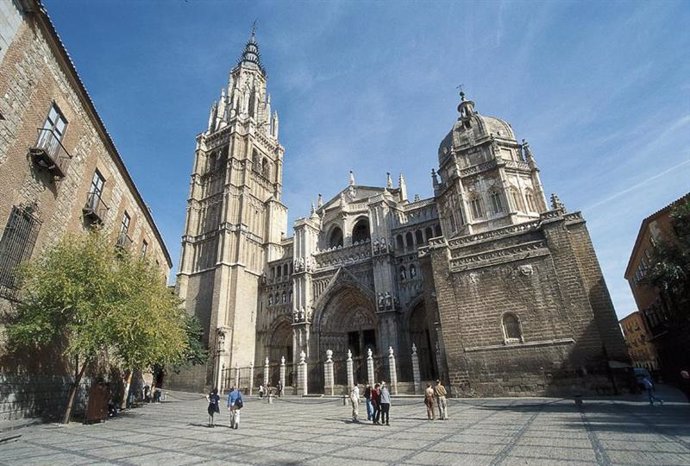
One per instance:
(537, 273)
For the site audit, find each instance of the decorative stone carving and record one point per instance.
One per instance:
(302, 357)
(526, 270)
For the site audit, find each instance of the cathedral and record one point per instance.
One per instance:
(485, 285)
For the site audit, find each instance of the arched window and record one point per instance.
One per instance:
(335, 238)
(399, 242)
(284, 298)
(437, 230)
(517, 199)
(255, 160)
(403, 272)
(429, 232)
(290, 296)
(265, 168)
(512, 332)
(419, 236)
(280, 271)
(496, 203)
(212, 161)
(285, 270)
(530, 201)
(413, 271)
(409, 240)
(476, 204)
(360, 232)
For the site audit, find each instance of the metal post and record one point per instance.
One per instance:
(251, 378)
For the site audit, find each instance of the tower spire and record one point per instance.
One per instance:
(251, 53)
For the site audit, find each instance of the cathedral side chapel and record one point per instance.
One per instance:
(485, 284)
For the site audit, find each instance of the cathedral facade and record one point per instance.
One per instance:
(497, 291)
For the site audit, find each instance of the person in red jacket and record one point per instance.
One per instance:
(376, 402)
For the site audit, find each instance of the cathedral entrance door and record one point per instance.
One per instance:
(280, 346)
(347, 321)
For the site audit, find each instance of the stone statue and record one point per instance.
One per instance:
(390, 351)
(329, 355)
(282, 360)
(302, 357)
(369, 353)
(389, 300)
(414, 349)
(349, 354)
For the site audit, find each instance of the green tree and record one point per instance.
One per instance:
(670, 263)
(89, 300)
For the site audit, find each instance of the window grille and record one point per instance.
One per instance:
(16, 246)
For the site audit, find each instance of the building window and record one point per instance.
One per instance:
(413, 271)
(53, 130)
(16, 245)
(144, 248)
(476, 205)
(360, 232)
(265, 168)
(123, 239)
(403, 272)
(419, 236)
(409, 240)
(512, 333)
(335, 238)
(399, 242)
(496, 202)
(96, 191)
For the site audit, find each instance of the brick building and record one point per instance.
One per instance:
(668, 335)
(638, 338)
(60, 173)
(489, 286)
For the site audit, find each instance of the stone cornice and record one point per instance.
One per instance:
(500, 256)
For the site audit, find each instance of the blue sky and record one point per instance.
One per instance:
(601, 90)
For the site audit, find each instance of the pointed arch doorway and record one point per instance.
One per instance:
(346, 321)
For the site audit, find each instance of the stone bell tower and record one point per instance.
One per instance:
(235, 219)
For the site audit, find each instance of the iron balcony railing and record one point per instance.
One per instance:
(123, 241)
(49, 153)
(95, 209)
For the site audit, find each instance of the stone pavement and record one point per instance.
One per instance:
(292, 431)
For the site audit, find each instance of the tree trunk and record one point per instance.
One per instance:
(123, 405)
(78, 373)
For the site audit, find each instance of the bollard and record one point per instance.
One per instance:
(270, 398)
(578, 400)
(344, 400)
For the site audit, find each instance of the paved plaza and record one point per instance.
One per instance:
(292, 431)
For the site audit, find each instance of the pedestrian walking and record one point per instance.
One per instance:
(376, 402)
(261, 391)
(213, 405)
(429, 402)
(235, 404)
(354, 400)
(367, 400)
(649, 386)
(279, 387)
(441, 393)
(385, 403)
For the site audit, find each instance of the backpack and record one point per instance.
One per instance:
(239, 404)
